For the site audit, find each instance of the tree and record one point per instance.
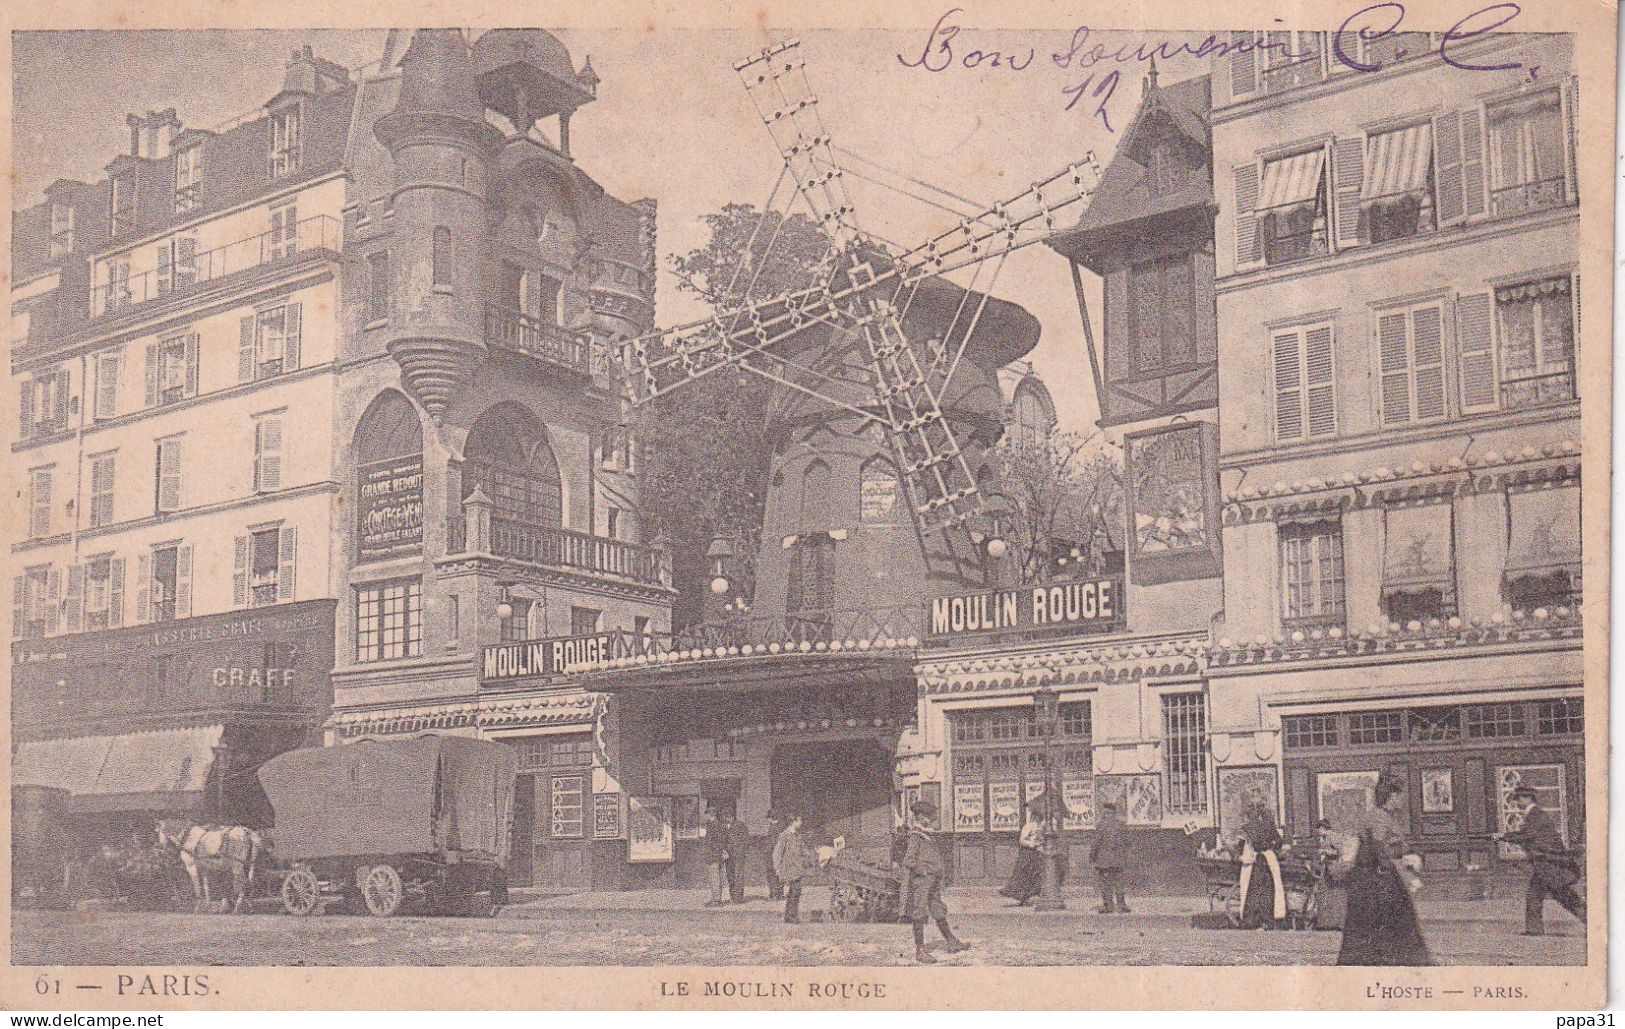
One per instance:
(1060, 496)
(705, 452)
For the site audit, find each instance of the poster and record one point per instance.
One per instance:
(1144, 800)
(1345, 796)
(606, 816)
(1239, 790)
(688, 817)
(389, 508)
(1079, 797)
(1438, 791)
(877, 493)
(1005, 803)
(1173, 503)
(569, 820)
(649, 832)
(1548, 783)
(969, 809)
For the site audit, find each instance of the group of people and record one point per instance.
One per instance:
(1108, 853)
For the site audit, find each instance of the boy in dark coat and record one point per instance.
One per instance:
(922, 885)
(1552, 872)
(790, 864)
(1108, 854)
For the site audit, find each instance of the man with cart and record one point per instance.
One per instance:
(1553, 871)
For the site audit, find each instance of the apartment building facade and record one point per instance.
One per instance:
(1399, 312)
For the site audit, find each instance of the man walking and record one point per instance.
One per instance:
(922, 885)
(737, 838)
(716, 857)
(1108, 854)
(789, 866)
(1552, 871)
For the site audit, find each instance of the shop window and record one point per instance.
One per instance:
(1526, 153)
(1291, 207)
(1312, 573)
(1435, 724)
(1495, 721)
(1371, 727)
(389, 620)
(1301, 732)
(1184, 733)
(1562, 717)
(1535, 323)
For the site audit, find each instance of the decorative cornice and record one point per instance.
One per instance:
(603, 583)
(1392, 639)
(1122, 662)
(505, 712)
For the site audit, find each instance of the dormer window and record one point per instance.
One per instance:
(61, 229)
(121, 203)
(188, 178)
(1166, 173)
(285, 140)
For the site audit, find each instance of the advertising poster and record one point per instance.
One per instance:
(1173, 503)
(1239, 790)
(969, 813)
(1079, 797)
(606, 816)
(389, 509)
(649, 834)
(1004, 799)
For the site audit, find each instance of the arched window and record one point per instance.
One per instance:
(388, 446)
(442, 256)
(815, 498)
(1032, 420)
(878, 492)
(507, 456)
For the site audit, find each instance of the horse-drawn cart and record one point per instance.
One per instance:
(381, 824)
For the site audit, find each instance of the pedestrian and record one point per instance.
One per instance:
(1383, 879)
(1263, 894)
(790, 865)
(1329, 898)
(1553, 871)
(1108, 855)
(776, 824)
(716, 857)
(1027, 878)
(737, 836)
(922, 885)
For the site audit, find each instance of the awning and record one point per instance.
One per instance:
(1397, 163)
(1416, 550)
(145, 771)
(1544, 530)
(1291, 180)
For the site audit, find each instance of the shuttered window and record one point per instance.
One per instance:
(267, 453)
(107, 369)
(1458, 162)
(172, 369)
(1410, 347)
(269, 342)
(1475, 353)
(1247, 249)
(101, 490)
(1305, 382)
(168, 485)
(39, 503)
(263, 567)
(283, 239)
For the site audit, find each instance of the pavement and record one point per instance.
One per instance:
(675, 927)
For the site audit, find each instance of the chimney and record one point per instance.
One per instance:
(152, 136)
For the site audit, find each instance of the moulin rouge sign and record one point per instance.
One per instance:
(1085, 605)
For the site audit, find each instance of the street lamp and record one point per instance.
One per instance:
(720, 553)
(1047, 710)
(504, 602)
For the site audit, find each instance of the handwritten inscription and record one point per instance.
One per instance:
(1094, 64)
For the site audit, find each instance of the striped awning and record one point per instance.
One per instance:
(1291, 181)
(162, 770)
(1397, 163)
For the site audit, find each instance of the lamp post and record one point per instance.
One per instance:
(1047, 710)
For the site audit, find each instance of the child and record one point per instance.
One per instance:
(923, 869)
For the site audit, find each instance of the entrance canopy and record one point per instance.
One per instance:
(165, 770)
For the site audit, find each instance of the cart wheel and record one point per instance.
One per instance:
(382, 890)
(481, 905)
(301, 892)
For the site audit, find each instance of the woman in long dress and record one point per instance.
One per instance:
(1382, 928)
(1026, 880)
(1263, 895)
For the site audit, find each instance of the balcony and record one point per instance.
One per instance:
(189, 272)
(1524, 197)
(480, 532)
(525, 334)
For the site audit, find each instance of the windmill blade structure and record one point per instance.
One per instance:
(867, 293)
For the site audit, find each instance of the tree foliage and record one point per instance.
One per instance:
(1056, 497)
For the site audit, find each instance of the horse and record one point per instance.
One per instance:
(206, 849)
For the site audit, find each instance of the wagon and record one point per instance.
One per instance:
(1222, 876)
(384, 823)
(864, 892)
(41, 846)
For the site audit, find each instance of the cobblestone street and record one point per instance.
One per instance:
(673, 928)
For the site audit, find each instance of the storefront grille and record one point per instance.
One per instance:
(1560, 717)
(1301, 731)
(1184, 732)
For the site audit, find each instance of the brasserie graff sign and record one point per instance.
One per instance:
(534, 658)
(1087, 605)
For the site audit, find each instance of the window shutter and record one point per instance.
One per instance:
(1395, 368)
(1572, 102)
(191, 347)
(25, 411)
(268, 454)
(290, 346)
(1348, 171)
(19, 604)
(169, 475)
(287, 557)
(1246, 220)
(1319, 383)
(1447, 167)
(62, 398)
(101, 491)
(245, 349)
(107, 386)
(53, 601)
(1427, 361)
(1288, 385)
(1472, 163)
(1243, 64)
(239, 573)
(259, 454)
(185, 261)
(1476, 352)
(39, 513)
(166, 277)
(152, 375)
(76, 598)
(115, 593)
(143, 588)
(183, 582)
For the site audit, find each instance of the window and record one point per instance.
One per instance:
(1419, 563)
(104, 593)
(378, 286)
(283, 239)
(441, 257)
(285, 142)
(1184, 734)
(1410, 345)
(269, 342)
(507, 456)
(62, 220)
(34, 602)
(44, 399)
(1396, 190)
(1305, 382)
(584, 620)
(1300, 732)
(612, 523)
(167, 487)
(1494, 721)
(164, 586)
(568, 804)
(812, 577)
(1535, 321)
(116, 292)
(263, 567)
(1395, 46)
(1162, 307)
(1292, 207)
(121, 203)
(389, 621)
(177, 264)
(1435, 724)
(1560, 717)
(1371, 727)
(188, 178)
(1167, 168)
(107, 369)
(1543, 567)
(39, 503)
(172, 369)
(267, 453)
(101, 490)
(1312, 572)
(1526, 153)
(516, 627)
(1292, 59)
